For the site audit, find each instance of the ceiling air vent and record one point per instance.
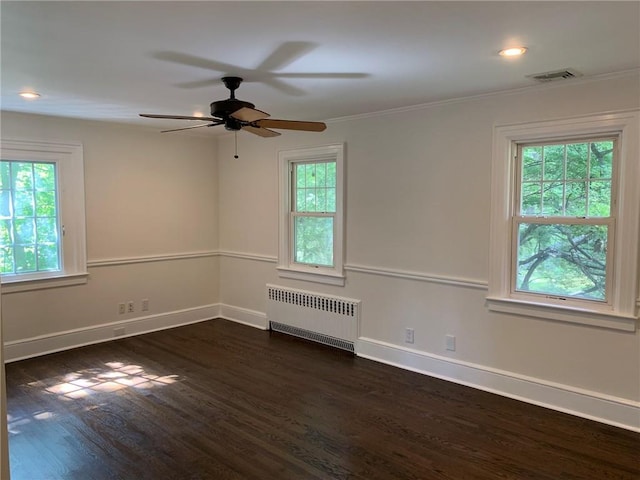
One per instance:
(564, 74)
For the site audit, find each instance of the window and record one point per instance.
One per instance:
(564, 226)
(42, 229)
(311, 219)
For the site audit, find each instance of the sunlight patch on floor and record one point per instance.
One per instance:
(116, 376)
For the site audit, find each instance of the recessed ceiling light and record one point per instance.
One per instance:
(29, 95)
(513, 51)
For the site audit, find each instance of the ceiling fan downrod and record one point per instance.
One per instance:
(232, 83)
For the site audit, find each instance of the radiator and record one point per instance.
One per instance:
(322, 318)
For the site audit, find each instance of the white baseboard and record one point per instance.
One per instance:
(55, 342)
(603, 408)
(251, 318)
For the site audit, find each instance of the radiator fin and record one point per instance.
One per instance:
(313, 336)
(322, 318)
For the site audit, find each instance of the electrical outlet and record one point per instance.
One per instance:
(130, 306)
(408, 335)
(122, 309)
(450, 342)
(145, 304)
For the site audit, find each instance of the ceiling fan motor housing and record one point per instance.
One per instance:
(224, 108)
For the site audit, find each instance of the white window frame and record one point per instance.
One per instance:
(69, 161)
(287, 267)
(621, 312)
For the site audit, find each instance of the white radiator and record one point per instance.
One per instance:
(322, 318)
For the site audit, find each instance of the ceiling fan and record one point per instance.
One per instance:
(237, 114)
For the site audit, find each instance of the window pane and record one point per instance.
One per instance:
(553, 162)
(532, 163)
(24, 231)
(552, 199)
(310, 201)
(46, 204)
(48, 257)
(576, 199)
(23, 204)
(321, 175)
(5, 175)
(45, 176)
(562, 260)
(577, 155)
(300, 200)
(6, 260)
(22, 173)
(46, 231)
(5, 232)
(310, 175)
(5, 203)
(321, 200)
(331, 200)
(601, 159)
(331, 174)
(600, 199)
(313, 242)
(25, 259)
(300, 169)
(531, 199)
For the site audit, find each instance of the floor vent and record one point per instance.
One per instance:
(564, 74)
(322, 318)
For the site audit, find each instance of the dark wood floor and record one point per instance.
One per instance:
(218, 400)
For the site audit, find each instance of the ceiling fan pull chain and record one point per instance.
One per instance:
(235, 135)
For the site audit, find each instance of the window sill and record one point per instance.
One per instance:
(597, 318)
(17, 284)
(309, 276)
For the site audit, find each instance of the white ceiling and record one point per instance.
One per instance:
(112, 60)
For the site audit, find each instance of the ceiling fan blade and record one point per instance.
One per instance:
(325, 75)
(285, 54)
(263, 132)
(194, 61)
(291, 125)
(249, 114)
(179, 117)
(193, 126)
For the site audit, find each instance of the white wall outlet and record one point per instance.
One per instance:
(450, 342)
(122, 309)
(408, 335)
(130, 306)
(145, 304)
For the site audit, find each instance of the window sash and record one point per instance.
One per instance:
(34, 217)
(294, 238)
(562, 299)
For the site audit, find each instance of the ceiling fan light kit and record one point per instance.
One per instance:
(237, 115)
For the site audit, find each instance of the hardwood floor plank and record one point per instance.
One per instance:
(218, 400)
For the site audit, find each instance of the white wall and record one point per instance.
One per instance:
(152, 209)
(418, 205)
